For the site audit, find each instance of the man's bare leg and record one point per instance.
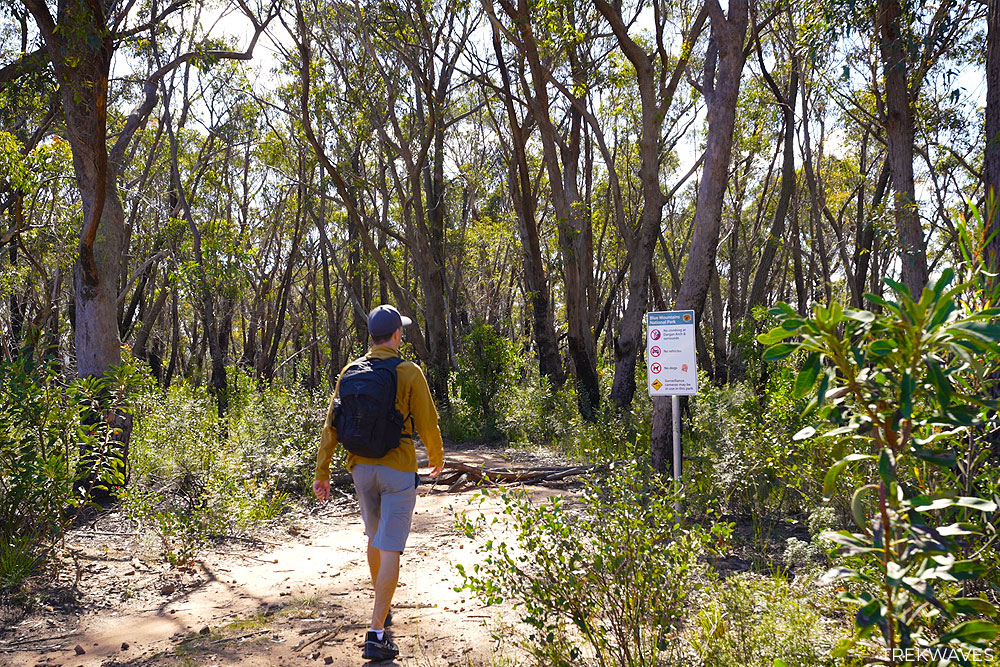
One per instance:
(385, 586)
(373, 561)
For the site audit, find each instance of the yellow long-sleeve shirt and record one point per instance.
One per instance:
(414, 402)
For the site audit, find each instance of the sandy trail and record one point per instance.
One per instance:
(309, 584)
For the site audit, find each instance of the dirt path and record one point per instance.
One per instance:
(304, 598)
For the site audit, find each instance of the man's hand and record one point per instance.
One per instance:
(437, 470)
(322, 490)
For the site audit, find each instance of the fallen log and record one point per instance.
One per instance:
(456, 476)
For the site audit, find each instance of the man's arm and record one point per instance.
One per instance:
(328, 443)
(425, 420)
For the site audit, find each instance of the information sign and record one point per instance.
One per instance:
(671, 366)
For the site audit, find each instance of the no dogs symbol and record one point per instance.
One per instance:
(655, 368)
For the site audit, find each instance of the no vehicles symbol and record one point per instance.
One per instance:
(655, 334)
(655, 368)
(654, 351)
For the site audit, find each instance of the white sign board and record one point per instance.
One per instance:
(671, 367)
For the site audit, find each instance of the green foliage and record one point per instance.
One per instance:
(486, 369)
(196, 475)
(741, 453)
(605, 581)
(904, 388)
(45, 421)
(753, 620)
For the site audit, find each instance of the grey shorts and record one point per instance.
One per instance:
(387, 497)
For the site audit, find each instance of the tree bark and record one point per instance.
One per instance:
(766, 267)
(992, 156)
(899, 132)
(723, 71)
(524, 202)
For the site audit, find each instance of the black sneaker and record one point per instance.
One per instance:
(378, 649)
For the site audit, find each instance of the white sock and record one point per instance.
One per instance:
(378, 633)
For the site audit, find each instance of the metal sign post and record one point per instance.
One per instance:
(671, 365)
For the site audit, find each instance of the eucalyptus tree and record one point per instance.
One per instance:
(80, 39)
(658, 75)
(524, 196)
(911, 40)
(409, 50)
(543, 32)
(785, 42)
(720, 85)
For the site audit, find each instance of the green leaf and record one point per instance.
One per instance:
(942, 387)
(879, 301)
(945, 458)
(887, 466)
(865, 316)
(965, 570)
(824, 384)
(775, 335)
(881, 348)
(984, 331)
(976, 633)
(782, 310)
(779, 352)
(906, 387)
(807, 376)
(836, 468)
(805, 433)
(858, 509)
(971, 606)
(870, 614)
(898, 287)
(976, 503)
(928, 503)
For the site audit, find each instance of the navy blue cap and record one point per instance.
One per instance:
(383, 320)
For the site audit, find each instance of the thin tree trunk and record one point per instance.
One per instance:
(524, 202)
(899, 132)
(722, 92)
(992, 151)
(766, 264)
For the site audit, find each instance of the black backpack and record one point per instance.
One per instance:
(367, 421)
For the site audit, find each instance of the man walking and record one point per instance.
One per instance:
(378, 402)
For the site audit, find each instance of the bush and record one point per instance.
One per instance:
(907, 389)
(196, 475)
(44, 423)
(486, 368)
(605, 582)
(742, 452)
(757, 621)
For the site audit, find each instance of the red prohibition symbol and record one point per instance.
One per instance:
(654, 351)
(655, 334)
(655, 368)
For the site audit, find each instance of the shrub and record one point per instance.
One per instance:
(197, 475)
(741, 451)
(905, 387)
(605, 582)
(42, 430)
(757, 621)
(486, 368)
